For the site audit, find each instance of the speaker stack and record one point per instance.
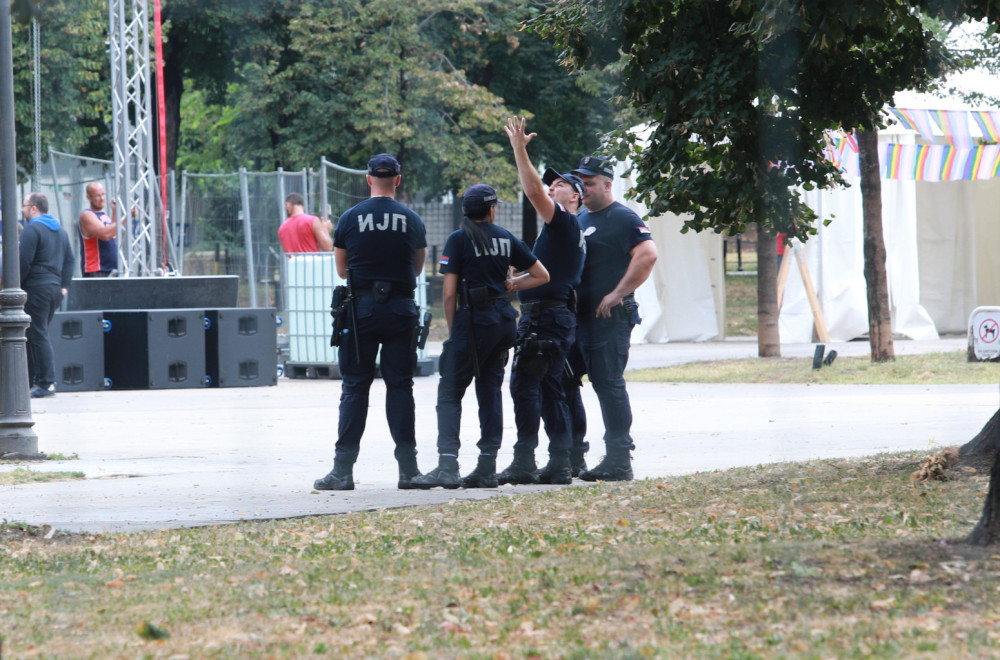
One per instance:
(154, 349)
(78, 344)
(164, 348)
(241, 347)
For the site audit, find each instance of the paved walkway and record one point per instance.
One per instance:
(160, 459)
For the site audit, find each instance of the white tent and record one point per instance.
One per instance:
(942, 241)
(684, 297)
(941, 237)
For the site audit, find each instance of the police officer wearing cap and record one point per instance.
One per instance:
(476, 261)
(383, 243)
(620, 256)
(548, 320)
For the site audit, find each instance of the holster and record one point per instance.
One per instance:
(628, 309)
(338, 310)
(531, 355)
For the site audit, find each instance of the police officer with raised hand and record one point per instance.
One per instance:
(548, 320)
(620, 256)
(475, 262)
(383, 243)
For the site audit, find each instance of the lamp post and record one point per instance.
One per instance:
(16, 434)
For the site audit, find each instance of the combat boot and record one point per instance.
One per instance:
(577, 462)
(520, 471)
(485, 474)
(341, 477)
(616, 466)
(408, 471)
(557, 471)
(445, 475)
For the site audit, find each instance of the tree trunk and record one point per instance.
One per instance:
(879, 314)
(987, 531)
(768, 341)
(986, 441)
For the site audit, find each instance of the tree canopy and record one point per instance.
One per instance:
(738, 94)
(75, 98)
(430, 80)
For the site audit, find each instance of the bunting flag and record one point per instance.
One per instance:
(955, 124)
(985, 163)
(917, 120)
(989, 124)
(852, 140)
(961, 160)
(929, 162)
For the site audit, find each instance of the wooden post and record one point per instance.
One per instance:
(818, 319)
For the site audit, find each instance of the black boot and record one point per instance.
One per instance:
(616, 466)
(408, 471)
(485, 474)
(520, 471)
(445, 475)
(341, 477)
(577, 462)
(556, 472)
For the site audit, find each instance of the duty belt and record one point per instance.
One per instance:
(462, 301)
(540, 305)
(392, 294)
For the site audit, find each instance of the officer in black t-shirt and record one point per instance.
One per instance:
(476, 262)
(548, 320)
(384, 244)
(620, 256)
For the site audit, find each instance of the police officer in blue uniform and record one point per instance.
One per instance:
(383, 243)
(620, 256)
(548, 320)
(476, 262)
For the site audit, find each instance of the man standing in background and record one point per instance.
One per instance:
(302, 232)
(98, 235)
(46, 273)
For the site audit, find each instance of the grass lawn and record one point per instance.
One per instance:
(824, 559)
(828, 559)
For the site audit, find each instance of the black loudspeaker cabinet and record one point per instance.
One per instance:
(241, 347)
(155, 349)
(78, 344)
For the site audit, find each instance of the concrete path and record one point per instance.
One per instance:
(171, 458)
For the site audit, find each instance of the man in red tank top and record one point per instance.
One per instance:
(302, 232)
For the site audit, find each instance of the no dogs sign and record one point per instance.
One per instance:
(984, 333)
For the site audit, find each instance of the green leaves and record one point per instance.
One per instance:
(75, 98)
(740, 93)
(431, 81)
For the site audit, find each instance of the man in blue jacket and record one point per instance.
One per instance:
(46, 273)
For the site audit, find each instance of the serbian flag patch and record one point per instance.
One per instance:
(643, 230)
(444, 259)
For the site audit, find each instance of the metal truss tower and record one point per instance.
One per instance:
(132, 93)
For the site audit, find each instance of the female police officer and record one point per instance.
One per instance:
(476, 262)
